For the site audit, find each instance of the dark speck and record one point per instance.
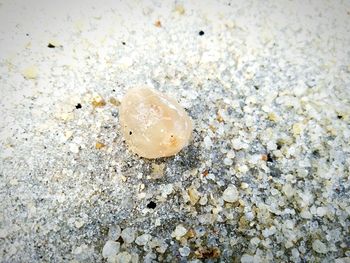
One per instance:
(130, 132)
(51, 45)
(201, 33)
(123, 43)
(151, 205)
(340, 117)
(78, 106)
(269, 158)
(316, 153)
(279, 145)
(256, 87)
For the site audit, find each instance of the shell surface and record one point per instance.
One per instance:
(153, 124)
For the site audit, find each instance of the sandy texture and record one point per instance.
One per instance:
(265, 177)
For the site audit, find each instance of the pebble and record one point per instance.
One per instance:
(154, 124)
(319, 247)
(114, 232)
(110, 249)
(143, 239)
(321, 211)
(128, 235)
(123, 257)
(179, 231)
(73, 148)
(184, 251)
(194, 195)
(228, 161)
(230, 194)
(30, 72)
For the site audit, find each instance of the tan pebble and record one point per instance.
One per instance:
(158, 23)
(157, 171)
(98, 102)
(154, 125)
(194, 195)
(99, 145)
(114, 101)
(181, 10)
(30, 72)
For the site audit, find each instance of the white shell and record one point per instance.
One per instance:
(153, 124)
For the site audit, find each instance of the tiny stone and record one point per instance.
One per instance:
(288, 190)
(160, 126)
(230, 154)
(99, 145)
(321, 211)
(114, 232)
(228, 161)
(184, 251)
(74, 148)
(319, 247)
(157, 171)
(180, 9)
(79, 223)
(342, 260)
(194, 195)
(30, 72)
(203, 200)
(110, 249)
(179, 231)
(114, 101)
(98, 102)
(237, 144)
(230, 194)
(151, 205)
(158, 23)
(207, 142)
(3, 233)
(247, 259)
(128, 235)
(123, 257)
(143, 239)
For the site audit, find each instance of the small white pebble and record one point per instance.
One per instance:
(228, 161)
(110, 249)
(244, 185)
(247, 259)
(319, 247)
(73, 148)
(184, 251)
(143, 239)
(288, 190)
(207, 142)
(243, 168)
(123, 257)
(128, 235)
(179, 231)
(203, 200)
(230, 194)
(114, 232)
(321, 211)
(255, 241)
(231, 154)
(79, 223)
(237, 144)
